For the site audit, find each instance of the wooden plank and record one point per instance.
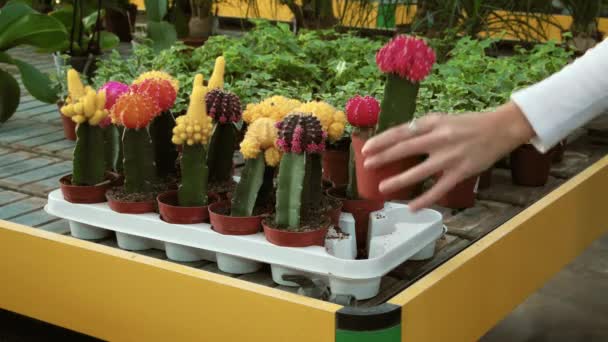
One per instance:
(31, 104)
(14, 157)
(38, 174)
(484, 217)
(13, 124)
(23, 133)
(25, 165)
(39, 140)
(10, 196)
(43, 187)
(23, 206)
(34, 219)
(59, 227)
(55, 146)
(4, 151)
(51, 117)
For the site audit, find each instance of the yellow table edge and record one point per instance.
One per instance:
(471, 292)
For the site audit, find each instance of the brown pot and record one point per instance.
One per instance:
(558, 151)
(69, 126)
(286, 238)
(335, 166)
(485, 179)
(126, 207)
(360, 209)
(171, 212)
(86, 193)
(530, 167)
(369, 180)
(231, 225)
(461, 196)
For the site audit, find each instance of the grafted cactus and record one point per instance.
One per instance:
(301, 138)
(332, 120)
(407, 61)
(163, 88)
(135, 112)
(113, 133)
(87, 108)
(261, 157)
(275, 107)
(192, 131)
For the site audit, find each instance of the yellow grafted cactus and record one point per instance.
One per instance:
(275, 107)
(261, 137)
(194, 127)
(332, 120)
(75, 87)
(155, 74)
(216, 81)
(198, 81)
(88, 108)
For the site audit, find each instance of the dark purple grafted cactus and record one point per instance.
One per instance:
(301, 133)
(223, 106)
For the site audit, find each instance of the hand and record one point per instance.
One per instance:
(458, 147)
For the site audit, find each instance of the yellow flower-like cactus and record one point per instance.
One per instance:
(332, 120)
(216, 81)
(261, 137)
(155, 74)
(194, 127)
(276, 108)
(83, 104)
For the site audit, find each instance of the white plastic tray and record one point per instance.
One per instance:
(395, 236)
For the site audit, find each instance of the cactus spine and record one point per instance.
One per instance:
(302, 139)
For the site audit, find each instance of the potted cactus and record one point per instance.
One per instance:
(362, 114)
(225, 110)
(275, 107)
(134, 112)
(89, 180)
(406, 61)
(299, 219)
(335, 157)
(188, 204)
(113, 133)
(162, 87)
(253, 195)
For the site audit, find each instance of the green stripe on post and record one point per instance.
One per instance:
(378, 324)
(386, 14)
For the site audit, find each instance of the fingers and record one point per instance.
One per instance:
(415, 146)
(399, 133)
(434, 194)
(414, 175)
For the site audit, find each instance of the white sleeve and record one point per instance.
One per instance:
(568, 99)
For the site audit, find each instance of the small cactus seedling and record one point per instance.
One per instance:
(301, 138)
(86, 107)
(362, 114)
(261, 157)
(407, 61)
(162, 88)
(134, 112)
(192, 130)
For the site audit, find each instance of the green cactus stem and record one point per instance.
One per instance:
(193, 188)
(246, 193)
(313, 186)
(112, 147)
(139, 170)
(399, 102)
(120, 159)
(221, 151)
(351, 188)
(165, 154)
(290, 187)
(89, 163)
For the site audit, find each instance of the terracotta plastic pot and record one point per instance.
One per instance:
(285, 238)
(125, 207)
(335, 166)
(231, 225)
(69, 126)
(369, 180)
(86, 193)
(530, 167)
(558, 152)
(360, 209)
(485, 179)
(461, 196)
(171, 212)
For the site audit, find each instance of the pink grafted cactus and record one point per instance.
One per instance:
(113, 91)
(362, 111)
(406, 56)
(301, 133)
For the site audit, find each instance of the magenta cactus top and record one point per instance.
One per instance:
(362, 111)
(406, 56)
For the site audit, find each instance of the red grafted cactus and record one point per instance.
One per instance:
(134, 111)
(158, 90)
(223, 106)
(406, 56)
(301, 133)
(362, 111)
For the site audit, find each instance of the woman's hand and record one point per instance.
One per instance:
(458, 147)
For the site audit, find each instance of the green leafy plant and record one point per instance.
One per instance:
(160, 32)
(21, 25)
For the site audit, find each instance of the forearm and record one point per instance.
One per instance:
(568, 99)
